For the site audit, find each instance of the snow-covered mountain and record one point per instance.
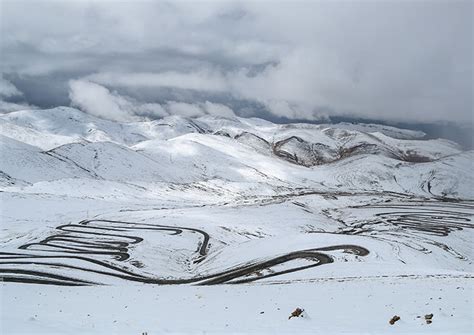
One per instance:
(207, 201)
(51, 145)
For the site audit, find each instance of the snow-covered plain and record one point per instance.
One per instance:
(216, 225)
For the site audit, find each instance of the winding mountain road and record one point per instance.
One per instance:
(86, 248)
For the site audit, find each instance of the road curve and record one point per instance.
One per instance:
(78, 248)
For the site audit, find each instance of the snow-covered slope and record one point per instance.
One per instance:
(339, 212)
(30, 164)
(180, 150)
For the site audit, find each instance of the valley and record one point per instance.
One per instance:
(173, 214)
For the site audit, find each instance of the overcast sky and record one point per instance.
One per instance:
(405, 61)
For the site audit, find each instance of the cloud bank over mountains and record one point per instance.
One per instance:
(100, 101)
(395, 61)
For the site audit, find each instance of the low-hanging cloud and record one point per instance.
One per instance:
(220, 110)
(400, 61)
(8, 90)
(99, 101)
(8, 107)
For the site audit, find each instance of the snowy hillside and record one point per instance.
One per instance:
(292, 215)
(180, 150)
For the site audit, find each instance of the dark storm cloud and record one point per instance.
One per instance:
(399, 61)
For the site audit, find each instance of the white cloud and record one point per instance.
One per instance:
(99, 101)
(8, 107)
(218, 110)
(7, 89)
(184, 109)
(405, 60)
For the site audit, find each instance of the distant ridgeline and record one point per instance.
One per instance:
(461, 134)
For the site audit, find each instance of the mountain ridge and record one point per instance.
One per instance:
(177, 149)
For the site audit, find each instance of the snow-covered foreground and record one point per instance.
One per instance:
(361, 306)
(228, 225)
